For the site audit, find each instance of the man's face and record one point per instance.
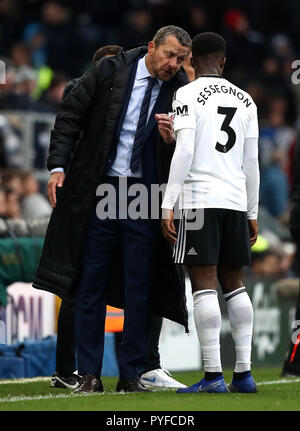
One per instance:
(164, 61)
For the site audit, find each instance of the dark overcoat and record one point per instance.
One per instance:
(94, 107)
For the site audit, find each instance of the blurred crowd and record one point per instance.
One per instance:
(46, 43)
(20, 196)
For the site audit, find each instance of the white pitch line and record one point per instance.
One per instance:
(45, 379)
(278, 382)
(39, 397)
(23, 380)
(50, 396)
(53, 397)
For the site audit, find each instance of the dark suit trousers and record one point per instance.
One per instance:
(66, 349)
(138, 239)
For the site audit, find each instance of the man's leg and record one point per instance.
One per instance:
(65, 348)
(207, 316)
(90, 296)
(139, 239)
(234, 254)
(198, 249)
(152, 356)
(240, 314)
(152, 361)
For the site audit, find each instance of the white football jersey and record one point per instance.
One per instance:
(223, 117)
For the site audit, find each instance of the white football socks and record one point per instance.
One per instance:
(240, 314)
(207, 317)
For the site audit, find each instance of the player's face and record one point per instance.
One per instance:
(165, 60)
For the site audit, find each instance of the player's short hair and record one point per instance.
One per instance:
(208, 43)
(171, 30)
(106, 50)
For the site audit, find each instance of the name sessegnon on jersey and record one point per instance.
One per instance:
(224, 117)
(226, 89)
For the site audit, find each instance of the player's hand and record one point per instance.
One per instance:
(165, 127)
(253, 229)
(56, 180)
(167, 226)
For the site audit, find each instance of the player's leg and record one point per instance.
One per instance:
(202, 269)
(207, 316)
(235, 252)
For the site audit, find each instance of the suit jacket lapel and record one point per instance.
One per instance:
(120, 79)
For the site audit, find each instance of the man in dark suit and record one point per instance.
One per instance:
(65, 375)
(118, 104)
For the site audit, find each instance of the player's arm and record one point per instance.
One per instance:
(251, 170)
(180, 166)
(184, 128)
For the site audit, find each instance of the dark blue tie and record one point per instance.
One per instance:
(141, 127)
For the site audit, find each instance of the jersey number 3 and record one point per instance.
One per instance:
(229, 113)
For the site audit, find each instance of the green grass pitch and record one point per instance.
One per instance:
(275, 393)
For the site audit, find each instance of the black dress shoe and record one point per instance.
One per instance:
(89, 383)
(131, 385)
(290, 371)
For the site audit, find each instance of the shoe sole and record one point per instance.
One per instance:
(123, 391)
(289, 374)
(205, 391)
(163, 387)
(234, 389)
(88, 392)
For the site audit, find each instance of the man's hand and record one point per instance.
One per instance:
(167, 226)
(165, 127)
(253, 229)
(56, 180)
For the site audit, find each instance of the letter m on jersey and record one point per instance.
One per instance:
(182, 110)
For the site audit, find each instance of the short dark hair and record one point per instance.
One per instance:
(106, 50)
(208, 43)
(171, 30)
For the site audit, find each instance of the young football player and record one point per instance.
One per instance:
(215, 174)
